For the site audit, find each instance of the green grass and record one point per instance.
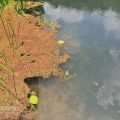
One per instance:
(18, 4)
(5, 2)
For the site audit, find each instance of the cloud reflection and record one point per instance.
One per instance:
(111, 22)
(109, 93)
(115, 53)
(109, 18)
(66, 14)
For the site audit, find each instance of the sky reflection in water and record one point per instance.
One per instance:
(93, 39)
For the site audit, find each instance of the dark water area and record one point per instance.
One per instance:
(87, 4)
(91, 30)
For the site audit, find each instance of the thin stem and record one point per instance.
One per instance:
(18, 31)
(13, 39)
(5, 29)
(14, 83)
(7, 69)
(13, 32)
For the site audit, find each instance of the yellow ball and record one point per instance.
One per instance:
(60, 42)
(33, 100)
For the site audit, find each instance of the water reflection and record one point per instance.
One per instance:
(111, 22)
(93, 42)
(87, 4)
(115, 53)
(109, 18)
(62, 13)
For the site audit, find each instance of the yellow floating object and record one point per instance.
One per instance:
(60, 42)
(67, 73)
(33, 100)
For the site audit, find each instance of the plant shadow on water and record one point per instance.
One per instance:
(54, 101)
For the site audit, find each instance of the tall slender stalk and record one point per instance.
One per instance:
(13, 32)
(5, 29)
(14, 83)
(13, 39)
(7, 69)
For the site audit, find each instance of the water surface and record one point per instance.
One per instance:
(91, 30)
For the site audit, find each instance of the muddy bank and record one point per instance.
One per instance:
(27, 48)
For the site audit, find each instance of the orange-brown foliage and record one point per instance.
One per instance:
(32, 51)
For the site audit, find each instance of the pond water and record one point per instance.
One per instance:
(91, 30)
